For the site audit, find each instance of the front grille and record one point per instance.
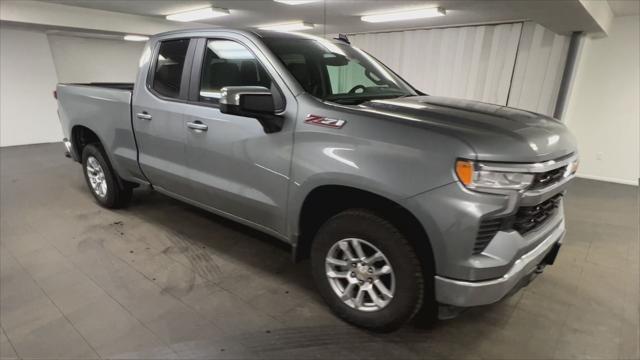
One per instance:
(526, 219)
(530, 217)
(542, 180)
(486, 232)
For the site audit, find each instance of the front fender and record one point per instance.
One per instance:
(394, 162)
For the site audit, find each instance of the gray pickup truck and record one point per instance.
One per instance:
(408, 205)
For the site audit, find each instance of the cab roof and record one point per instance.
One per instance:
(265, 34)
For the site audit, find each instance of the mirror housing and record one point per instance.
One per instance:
(251, 101)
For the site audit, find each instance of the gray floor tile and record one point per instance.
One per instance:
(113, 331)
(57, 339)
(6, 348)
(162, 279)
(21, 318)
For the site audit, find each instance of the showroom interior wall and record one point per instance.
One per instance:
(473, 62)
(51, 59)
(28, 109)
(537, 74)
(603, 110)
(518, 64)
(79, 59)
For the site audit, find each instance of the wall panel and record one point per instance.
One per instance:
(472, 62)
(28, 78)
(603, 110)
(517, 64)
(95, 60)
(538, 72)
(32, 63)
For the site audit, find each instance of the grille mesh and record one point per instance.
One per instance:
(530, 217)
(526, 219)
(547, 178)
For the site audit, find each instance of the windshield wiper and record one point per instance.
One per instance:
(361, 99)
(348, 101)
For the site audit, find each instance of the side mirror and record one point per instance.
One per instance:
(251, 101)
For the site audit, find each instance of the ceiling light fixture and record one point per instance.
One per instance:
(405, 15)
(292, 26)
(136, 38)
(295, 2)
(199, 14)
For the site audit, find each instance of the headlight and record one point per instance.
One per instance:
(473, 177)
(571, 168)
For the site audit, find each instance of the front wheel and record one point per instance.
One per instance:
(367, 271)
(102, 180)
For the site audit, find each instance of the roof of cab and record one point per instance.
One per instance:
(246, 31)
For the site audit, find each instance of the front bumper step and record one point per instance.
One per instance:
(475, 293)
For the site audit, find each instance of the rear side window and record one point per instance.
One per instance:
(228, 63)
(169, 67)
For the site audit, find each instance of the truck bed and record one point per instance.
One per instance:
(105, 109)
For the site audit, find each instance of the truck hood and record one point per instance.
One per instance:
(496, 133)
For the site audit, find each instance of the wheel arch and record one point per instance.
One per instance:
(82, 136)
(327, 200)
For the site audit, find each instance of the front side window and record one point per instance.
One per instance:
(228, 63)
(169, 67)
(337, 72)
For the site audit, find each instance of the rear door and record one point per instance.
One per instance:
(159, 105)
(235, 167)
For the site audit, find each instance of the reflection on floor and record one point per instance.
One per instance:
(165, 280)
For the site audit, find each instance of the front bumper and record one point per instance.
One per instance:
(474, 293)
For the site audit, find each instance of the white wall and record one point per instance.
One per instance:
(517, 64)
(80, 59)
(473, 62)
(603, 110)
(542, 55)
(32, 63)
(27, 107)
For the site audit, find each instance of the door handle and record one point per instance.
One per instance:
(144, 116)
(197, 125)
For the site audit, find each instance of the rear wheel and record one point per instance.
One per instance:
(102, 180)
(367, 271)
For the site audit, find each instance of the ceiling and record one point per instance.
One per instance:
(343, 16)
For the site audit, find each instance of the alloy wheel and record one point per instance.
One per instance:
(360, 274)
(96, 177)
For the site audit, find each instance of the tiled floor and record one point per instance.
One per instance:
(165, 280)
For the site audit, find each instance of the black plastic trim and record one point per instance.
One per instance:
(186, 70)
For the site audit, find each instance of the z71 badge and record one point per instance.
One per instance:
(323, 121)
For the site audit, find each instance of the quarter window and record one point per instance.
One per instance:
(169, 67)
(228, 63)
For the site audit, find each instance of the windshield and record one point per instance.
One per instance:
(337, 72)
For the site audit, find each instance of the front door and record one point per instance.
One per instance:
(235, 167)
(158, 116)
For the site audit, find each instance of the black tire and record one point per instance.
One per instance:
(116, 196)
(409, 277)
